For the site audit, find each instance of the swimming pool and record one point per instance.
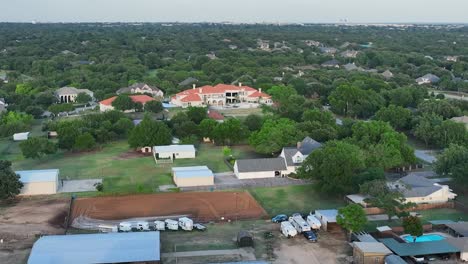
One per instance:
(424, 238)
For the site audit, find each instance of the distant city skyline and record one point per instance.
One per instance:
(238, 11)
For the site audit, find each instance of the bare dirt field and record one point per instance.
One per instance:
(202, 206)
(23, 220)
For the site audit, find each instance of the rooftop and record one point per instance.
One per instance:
(142, 98)
(27, 176)
(372, 247)
(394, 259)
(330, 214)
(460, 227)
(96, 248)
(192, 172)
(173, 148)
(419, 248)
(256, 165)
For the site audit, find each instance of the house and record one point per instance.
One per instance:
(39, 182)
(192, 176)
(69, 94)
(141, 88)
(461, 243)
(187, 82)
(331, 64)
(461, 119)
(350, 67)
(260, 168)
(215, 115)
(349, 54)
(387, 74)
(128, 247)
(428, 79)
(3, 77)
(220, 95)
(263, 44)
(172, 152)
(211, 56)
(21, 136)
(328, 50)
(369, 253)
(311, 43)
(294, 156)
(451, 58)
(458, 229)
(419, 189)
(3, 105)
(326, 217)
(106, 105)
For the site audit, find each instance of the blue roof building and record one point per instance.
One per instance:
(135, 247)
(38, 182)
(192, 176)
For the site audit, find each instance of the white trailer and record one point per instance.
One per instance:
(159, 225)
(299, 223)
(313, 222)
(186, 223)
(142, 226)
(172, 224)
(108, 228)
(288, 230)
(125, 227)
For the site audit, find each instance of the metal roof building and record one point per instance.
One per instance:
(459, 229)
(36, 182)
(135, 247)
(173, 152)
(259, 168)
(192, 176)
(419, 248)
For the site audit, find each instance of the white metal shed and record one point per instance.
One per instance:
(37, 182)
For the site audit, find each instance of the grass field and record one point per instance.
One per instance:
(293, 199)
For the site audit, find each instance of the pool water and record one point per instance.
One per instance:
(424, 238)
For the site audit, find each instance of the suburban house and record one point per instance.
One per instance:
(369, 252)
(419, 190)
(141, 88)
(106, 105)
(351, 67)
(166, 154)
(458, 119)
(260, 168)
(294, 156)
(428, 79)
(39, 182)
(21, 136)
(328, 50)
(311, 43)
(215, 115)
(451, 58)
(220, 95)
(192, 176)
(349, 54)
(3, 105)
(129, 247)
(331, 64)
(263, 44)
(69, 94)
(387, 74)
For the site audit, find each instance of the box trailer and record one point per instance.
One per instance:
(125, 227)
(186, 223)
(288, 230)
(313, 222)
(299, 223)
(142, 226)
(172, 224)
(159, 225)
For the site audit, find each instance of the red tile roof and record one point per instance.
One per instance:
(191, 98)
(193, 94)
(215, 115)
(260, 94)
(143, 98)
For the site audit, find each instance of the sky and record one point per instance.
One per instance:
(247, 11)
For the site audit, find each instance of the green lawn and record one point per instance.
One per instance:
(293, 199)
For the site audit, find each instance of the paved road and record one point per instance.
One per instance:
(453, 96)
(246, 255)
(426, 155)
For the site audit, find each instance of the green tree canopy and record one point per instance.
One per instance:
(231, 131)
(58, 108)
(253, 122)
(196, 114)
(413, 226)
(83, 98)
(352, 218)
(123, 102)
(149, 133)
(154, 106)
(397, 116)
(453, 162)
(84, 142)
(36, 147)
(274, 135)
(10, 184)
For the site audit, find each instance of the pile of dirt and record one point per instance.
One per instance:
(202, 206)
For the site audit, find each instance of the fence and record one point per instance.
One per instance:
(418, 207)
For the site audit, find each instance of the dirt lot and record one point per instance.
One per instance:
(202, 206)
(331, 248)
(21, 221)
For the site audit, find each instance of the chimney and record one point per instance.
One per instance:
(200, 90)
(299, 144)
(240, 84)
(260, 89)
(193, 86)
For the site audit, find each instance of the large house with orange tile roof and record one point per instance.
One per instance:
(221, 95)
(106, 105)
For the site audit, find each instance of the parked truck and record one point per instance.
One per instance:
(299, 223)
(172, 224)
(142, 226)
(186, 223)
(288, 230)
(313, 222)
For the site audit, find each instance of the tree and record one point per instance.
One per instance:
(413, 226)
(84, 142)
(352, 218)
(397, 116)
(196, 114)
(10, 184)
(206, 128)
(149, 133)
(274, 135)
(391, 200)
(83, 98)
(231, 131)
(227, 151)
(253, 122)
(58, 108)
(35, 111)
(154, 106)
(355, 102)
(334, 166)
(442, 108)
(453, 162)
(123, 102)
(123, 126)
(36, 147)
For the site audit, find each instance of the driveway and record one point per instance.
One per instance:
(428, 156)
(79, 185)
